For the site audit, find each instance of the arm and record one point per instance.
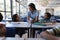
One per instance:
(48, 36)
(28, 18)
(36, 17)
(32, 21)
(35, 20)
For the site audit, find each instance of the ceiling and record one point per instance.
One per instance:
(48, 3)
(55, 3)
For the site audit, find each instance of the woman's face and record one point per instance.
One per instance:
(30, 8)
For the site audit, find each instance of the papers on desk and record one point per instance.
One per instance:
(15, 23)
(45, 25)
(40, 24)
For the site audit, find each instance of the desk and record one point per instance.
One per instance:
(3, 38)
(2, 22)
(26, 25)
(48, 26)
(20, 25)
(37, 27)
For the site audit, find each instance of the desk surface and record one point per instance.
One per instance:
(48, 26)
(27, 25)
(18, 24)
(2, 22)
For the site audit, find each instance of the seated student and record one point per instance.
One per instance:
(51, 34)
(2, 27)
(1, 17)
(33, 13)
(2, 30)
(47, 18)
(15, 18)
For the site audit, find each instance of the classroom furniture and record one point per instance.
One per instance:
(20, 25)
(31, 27)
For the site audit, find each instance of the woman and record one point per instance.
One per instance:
(33, 13)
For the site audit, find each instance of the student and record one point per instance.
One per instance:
(16, 18)
(47, 18)
(33, 13)
(2, 30)
(51, 34)
(2, 27)
(1, 17)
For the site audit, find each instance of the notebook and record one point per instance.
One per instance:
(40, 24)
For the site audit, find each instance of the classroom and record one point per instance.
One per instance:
(29, 19)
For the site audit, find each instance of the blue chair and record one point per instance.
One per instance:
(57, 17)
(24, 19)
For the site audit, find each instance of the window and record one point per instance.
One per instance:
(1, 5)
(8, 5)
(15, 7)
(57, 11)
(21, 7)
(8, 9)
(8, 15)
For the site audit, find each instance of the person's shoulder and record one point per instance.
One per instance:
(29, 11)
(36, 11)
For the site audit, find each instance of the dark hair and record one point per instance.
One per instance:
(14, 18)
(1, 17)
(48, 14)
(32, 5)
